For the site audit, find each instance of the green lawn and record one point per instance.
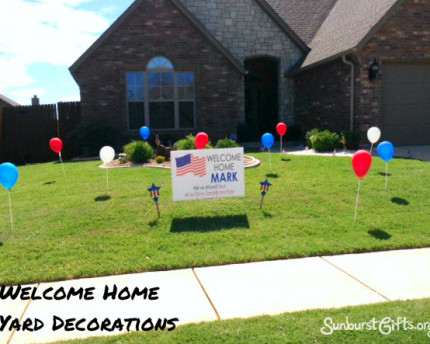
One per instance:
(303, 327)
(66, 228)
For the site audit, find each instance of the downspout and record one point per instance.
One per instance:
(351, 111)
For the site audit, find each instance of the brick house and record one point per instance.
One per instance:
(6, 102)
(182, 66)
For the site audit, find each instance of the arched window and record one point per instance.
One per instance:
(161, 63)
(161, 97)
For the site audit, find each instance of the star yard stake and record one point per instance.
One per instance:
(264, 190)
(155, 194)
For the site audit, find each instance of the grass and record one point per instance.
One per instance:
(302, 327)
(70, 228)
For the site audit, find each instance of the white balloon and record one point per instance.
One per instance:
(374, 134)
(107, 154)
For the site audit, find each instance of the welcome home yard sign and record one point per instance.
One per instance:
(208, 173)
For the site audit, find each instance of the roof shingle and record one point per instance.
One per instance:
(346, 28)
(303, 16)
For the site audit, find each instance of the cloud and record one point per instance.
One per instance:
(43, 31)
(23, 94)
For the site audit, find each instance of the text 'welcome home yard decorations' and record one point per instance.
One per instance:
(208, 173)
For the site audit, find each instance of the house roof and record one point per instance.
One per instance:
(305, 17)
(7, 100)
(184, 11)
(347, 28)
(283, 24)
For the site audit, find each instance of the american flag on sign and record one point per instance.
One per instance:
(191, 164)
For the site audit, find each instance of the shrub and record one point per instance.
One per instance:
(189, 143)
(91, 136)
(325, 141)
(351, 139)
(139, 152)
(309, 135)
(226, 143)
(160, 159)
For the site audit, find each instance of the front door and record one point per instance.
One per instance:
(261, 94)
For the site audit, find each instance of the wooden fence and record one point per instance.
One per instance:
(26, 131)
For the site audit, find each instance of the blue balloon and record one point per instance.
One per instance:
(386, 151)
(8, 175)
(145, 133)
(268, 140)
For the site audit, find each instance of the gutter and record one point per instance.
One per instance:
(351, 111)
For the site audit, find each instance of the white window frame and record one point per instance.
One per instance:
(175, 99)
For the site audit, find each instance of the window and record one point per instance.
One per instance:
(160, 97)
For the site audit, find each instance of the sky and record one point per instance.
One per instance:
(41, 39)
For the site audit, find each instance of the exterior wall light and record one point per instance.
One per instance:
(374, 70)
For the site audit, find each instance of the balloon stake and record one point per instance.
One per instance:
(361, 162)
(8, 178)
(371, 148)
(386, 151)
(268, 140)
(356, 203)
(281, 128)
(107, 179)
(270, 159)
(386, 175)
(10, 211)
(107, 154)
(62, 165)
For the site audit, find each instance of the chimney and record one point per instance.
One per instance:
(35, 101)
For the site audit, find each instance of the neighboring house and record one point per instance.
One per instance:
(183, 66)
(6, 102)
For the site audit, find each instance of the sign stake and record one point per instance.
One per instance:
(10, 211)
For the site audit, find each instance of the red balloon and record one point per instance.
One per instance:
(361, 162)
(56, 145)
(281, 128)
(202, 140)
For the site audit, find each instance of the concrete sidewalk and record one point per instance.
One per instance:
(241, 290)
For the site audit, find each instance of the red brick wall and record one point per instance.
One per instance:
(323, 98)
(159, 28)
(404, 37)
